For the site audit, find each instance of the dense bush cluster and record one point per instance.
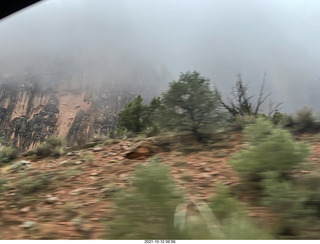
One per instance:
(139, 118)
(269, 150)
(52, 147)
(188, 106)
(267, 167)
(150, 210)
(303, 121)
(7, 153)
(146, 211)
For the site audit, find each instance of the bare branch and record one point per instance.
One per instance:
(260, 99)
(273, 108)
(240, 102)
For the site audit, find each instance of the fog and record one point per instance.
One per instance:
(139, 42)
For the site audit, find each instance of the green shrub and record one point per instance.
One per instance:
(292, 204)
(2, 185)
(191, 106)
(137, 118)
(277, 117)
(227, 219)
(259, 131)
(152, 130)
(44, 150)
(155, 117)
(243, 228)
(304, 120)
(146, 211)
(31, 183)
(287, 121)
(132, 116)
(53, 146)
(267, 163)
(236, 225)
(224, 205)
(55, 141)
(309, 184)
(278, 194)
(88, 157)
(269, 149)
(241, 122)
(7, 154)
(110, 189)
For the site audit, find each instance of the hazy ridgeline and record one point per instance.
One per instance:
(143, 45)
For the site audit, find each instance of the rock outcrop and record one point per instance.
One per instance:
(30, 112)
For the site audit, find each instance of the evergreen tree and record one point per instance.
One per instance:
(191, 105)
(132, 117)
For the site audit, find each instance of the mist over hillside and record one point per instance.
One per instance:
(117, 113)
(142, 45)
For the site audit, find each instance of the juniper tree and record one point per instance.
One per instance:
(131, 117)
(190, 104)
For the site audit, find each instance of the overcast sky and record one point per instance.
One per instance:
(216, 38)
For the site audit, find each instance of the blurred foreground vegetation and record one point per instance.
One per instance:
(153, 207)
(267, 166)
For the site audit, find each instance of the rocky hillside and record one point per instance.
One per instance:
(71, 197)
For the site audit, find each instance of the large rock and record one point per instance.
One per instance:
(141, 150)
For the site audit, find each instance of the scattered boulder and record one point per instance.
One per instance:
(23, 164)
(78, 222)
(63, 162)
(126, 148)
(74, 153)
(91, 188)
(123, 176)
(205, 169)
(76, 192)
(206, 176)
(52, 199)
(141, 151)
(96, 149)
(28, 224)
(25, 209)
(119, 158)
(227, 183)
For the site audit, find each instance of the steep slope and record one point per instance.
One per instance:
(30, 112)
(71, 197)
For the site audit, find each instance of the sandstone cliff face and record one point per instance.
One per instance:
(31, 112)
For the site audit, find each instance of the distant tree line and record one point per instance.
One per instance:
(191, 106)
(188, 106)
